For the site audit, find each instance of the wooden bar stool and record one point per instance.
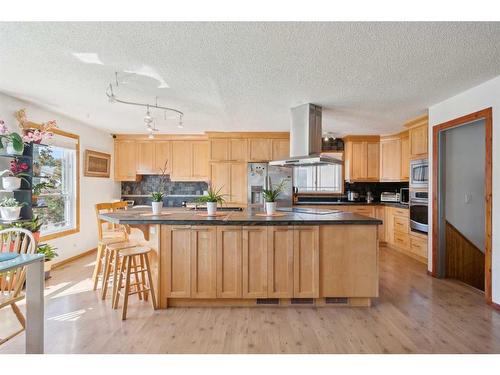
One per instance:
(107, 234)
(134, 261)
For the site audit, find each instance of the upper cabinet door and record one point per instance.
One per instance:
(359, 161)
(125, 159)
(259, 149)
(405, 158)
(200, 169)
(418, 141)
(390, 160)
(145, 157)
(219, 149)
(238, 149)
(181, 160)
(372, 161)
(163, 156)
(280, 149)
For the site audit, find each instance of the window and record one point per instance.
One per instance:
(55, 183)
(320, 179)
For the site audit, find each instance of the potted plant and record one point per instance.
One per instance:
(212, 197)
(39, 135)
(10, 209)
(270, 195)
(50, 253)
(11, 142)
(157, 202)
(11, 178)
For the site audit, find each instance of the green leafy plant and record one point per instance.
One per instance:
(34, 225)
(157, 196)
(48, 250)
(212, 196)
(11, 202)
(42, 186)
(271, 194)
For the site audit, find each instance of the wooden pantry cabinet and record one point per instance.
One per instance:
(362, 158)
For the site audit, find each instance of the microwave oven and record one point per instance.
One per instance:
(419, 173)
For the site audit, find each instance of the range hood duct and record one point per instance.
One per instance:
(306, 139)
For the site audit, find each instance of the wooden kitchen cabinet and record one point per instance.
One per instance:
(362, 158)
(380, 214)
(405, 157)
(162, 156)
(190, 161)
(390, 159)
(398, 228)
(203, 262)
(280, 262)
(125, 160)
(177, 242)
(231, 178)
(228, 149)
(349, 261)
(259, 150)
(200, 168)
(418, 137)
(145, 152)
(306, 262)
(280, 149)
(219, 149)
(229, 262)
(238, 149)
(254, 262)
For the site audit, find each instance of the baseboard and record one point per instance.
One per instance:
(496, 306)
(73, 258)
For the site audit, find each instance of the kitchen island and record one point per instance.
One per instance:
(312, 257)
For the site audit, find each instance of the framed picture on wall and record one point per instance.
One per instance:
(97, 164)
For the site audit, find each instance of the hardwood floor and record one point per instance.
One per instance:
(414, 314)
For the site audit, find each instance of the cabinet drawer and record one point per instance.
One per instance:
(401, 224)
(418, 246)
(367, 211)
(401, 240)
(400, 212)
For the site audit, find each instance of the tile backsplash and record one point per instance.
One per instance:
(176, 191)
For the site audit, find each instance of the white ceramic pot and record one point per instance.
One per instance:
(10, 213)
(270, 208)
(11, 183)
(157, 206)
(9, 148)
(211, 208)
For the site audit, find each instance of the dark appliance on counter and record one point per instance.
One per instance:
(419, 201)
(388, 196)
(404, 196)
(419, 174)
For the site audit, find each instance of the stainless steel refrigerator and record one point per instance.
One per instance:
(260, 174)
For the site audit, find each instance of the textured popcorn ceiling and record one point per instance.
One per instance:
(369, 77)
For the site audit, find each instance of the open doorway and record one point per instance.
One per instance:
(462, 200)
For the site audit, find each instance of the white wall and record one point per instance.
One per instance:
(464, 176)
(92, 189)
(480, 97)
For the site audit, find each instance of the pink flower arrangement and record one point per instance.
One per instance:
(17, 167)
(3, 128)
(39, 135)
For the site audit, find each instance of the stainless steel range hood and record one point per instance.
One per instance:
(305, 139)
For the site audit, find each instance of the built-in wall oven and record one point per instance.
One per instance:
(419, 174)
(419, 201)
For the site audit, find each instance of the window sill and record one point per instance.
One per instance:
(55, 235)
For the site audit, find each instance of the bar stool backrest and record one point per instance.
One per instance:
(103, 225)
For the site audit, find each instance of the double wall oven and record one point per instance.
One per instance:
(419, 196)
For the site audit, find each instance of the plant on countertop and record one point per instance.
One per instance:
(270, 194)
(157, 196)
(11, 202)
(12, 139)
(212, 196)
(48, 250)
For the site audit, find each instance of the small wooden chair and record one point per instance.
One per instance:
(21, 241)
(134, 261)
(108, 234)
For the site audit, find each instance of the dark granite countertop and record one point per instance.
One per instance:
(182, 216)
(347, 203)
